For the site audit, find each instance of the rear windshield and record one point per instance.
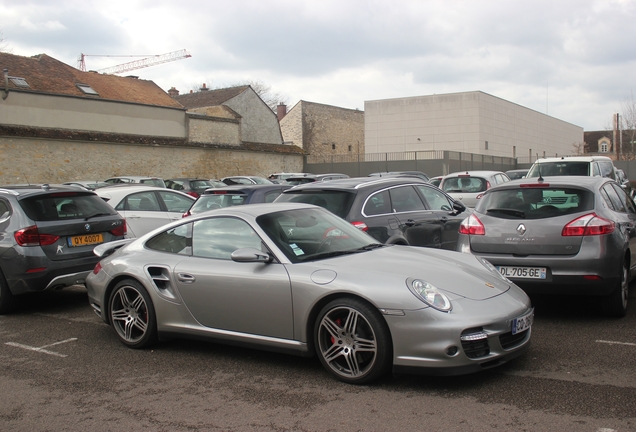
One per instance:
(465, 184)
(337, 202)
(65, 205)
(154, 182)
(210, 202)
(535, 203)
(296, 181)
(560, 168)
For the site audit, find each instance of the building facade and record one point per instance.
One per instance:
(471, 122)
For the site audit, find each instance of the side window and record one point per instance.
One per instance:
(377, 204)
(175, 202)
(271, 196)
(405, 199)
(436, 199)
(143, 201)
(607, 170)
(175, 240)
(607, 199)
(596, 171)
(4, 209)
(614, 198)
(219, 237)
(628, 204)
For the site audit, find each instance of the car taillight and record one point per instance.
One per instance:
(97, 268)
(120, 230)
(472, 226)
(360, 225)
(193, 194)
(589, 224)
(487, 185)
(30, 236)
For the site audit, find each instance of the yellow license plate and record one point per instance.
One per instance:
(88, 239)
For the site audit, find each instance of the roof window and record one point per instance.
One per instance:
(87, 89)
(19, 82)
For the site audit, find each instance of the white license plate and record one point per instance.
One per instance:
(522, 272)
(522, 323)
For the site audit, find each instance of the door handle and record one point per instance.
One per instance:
(410, 223)
(186, 278)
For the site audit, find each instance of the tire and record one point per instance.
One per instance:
(132, 314)
(7, 300)
(615, 304)
(353, 341)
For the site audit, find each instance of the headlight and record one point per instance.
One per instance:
(493, 269)
(429, 294)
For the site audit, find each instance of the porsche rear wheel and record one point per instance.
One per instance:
(132, 314)
(353, 341)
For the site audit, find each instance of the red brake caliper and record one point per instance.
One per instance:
(339, 322)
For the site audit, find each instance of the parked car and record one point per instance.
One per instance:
(469, 186)
(558, 235)
(146, 207)
(191, 186)
(310, 178)
(87, 184)
(517, 173)
(230, 196)
(217, 183)
(281, 177)
(47, 235)
(419, 174)
(245, 180)
(436, 181)
(148, 181)
(601, 166)
(298, 279)
(393, 210)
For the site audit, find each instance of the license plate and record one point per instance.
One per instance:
(522, 272)
(84, 240)
(522, 323)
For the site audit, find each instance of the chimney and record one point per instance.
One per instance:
(173, 92)
(281, 111)
(204, 88)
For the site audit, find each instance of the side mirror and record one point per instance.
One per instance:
(250, 255)
(458, 207)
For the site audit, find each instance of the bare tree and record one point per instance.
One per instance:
(4, 45)
(264, 91)
(627, 124)
(578, 148)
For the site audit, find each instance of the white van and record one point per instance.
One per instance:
(594, 166)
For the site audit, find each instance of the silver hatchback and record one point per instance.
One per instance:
(558, 235)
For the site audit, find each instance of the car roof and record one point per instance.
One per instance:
(116, 191)
(136, 177)
(474, 173)
(38, 189)
(244, 188)
(574, 159)
(585, 181)
(358, 183)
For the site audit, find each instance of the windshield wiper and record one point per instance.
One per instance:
(511, 212)
(371, 246)
(96, 214)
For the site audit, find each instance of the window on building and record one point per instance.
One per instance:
(486, 145)
(87, 89)
(350, 148)
(19, 82)
(514, 151)
(333, 146)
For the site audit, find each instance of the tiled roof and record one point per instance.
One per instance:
(47, 75)
(209, 97)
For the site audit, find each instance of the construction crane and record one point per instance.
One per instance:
(136, 64)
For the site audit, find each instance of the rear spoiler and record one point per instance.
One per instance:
(105, 249)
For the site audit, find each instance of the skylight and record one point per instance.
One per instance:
(19, 82)
(87, 89)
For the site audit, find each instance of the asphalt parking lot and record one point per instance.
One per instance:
(63, 369)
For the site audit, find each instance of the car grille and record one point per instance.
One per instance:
(477, 347)
(508, 340)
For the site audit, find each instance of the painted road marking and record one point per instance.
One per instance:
(616, 343)
(42, 348)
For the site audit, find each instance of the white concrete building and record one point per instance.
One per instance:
(471, 122)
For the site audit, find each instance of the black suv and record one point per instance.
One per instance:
(394, 210)
(47, 235)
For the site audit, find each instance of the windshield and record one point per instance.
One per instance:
(535, 203)
(337, 202)
(560, 168)
(207, 202)
(312, 234)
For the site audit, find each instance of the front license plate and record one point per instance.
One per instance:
(522, 272)
(522, 323)
(84, 240)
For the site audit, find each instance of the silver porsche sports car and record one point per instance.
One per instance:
(296, 278)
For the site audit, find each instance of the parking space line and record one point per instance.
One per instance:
(616, 343)
(42, 348)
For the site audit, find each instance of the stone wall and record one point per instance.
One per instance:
(36, 160)
(214, 130)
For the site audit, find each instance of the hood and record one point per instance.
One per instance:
(453, 272)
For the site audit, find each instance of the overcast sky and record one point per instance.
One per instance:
(572, 59)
